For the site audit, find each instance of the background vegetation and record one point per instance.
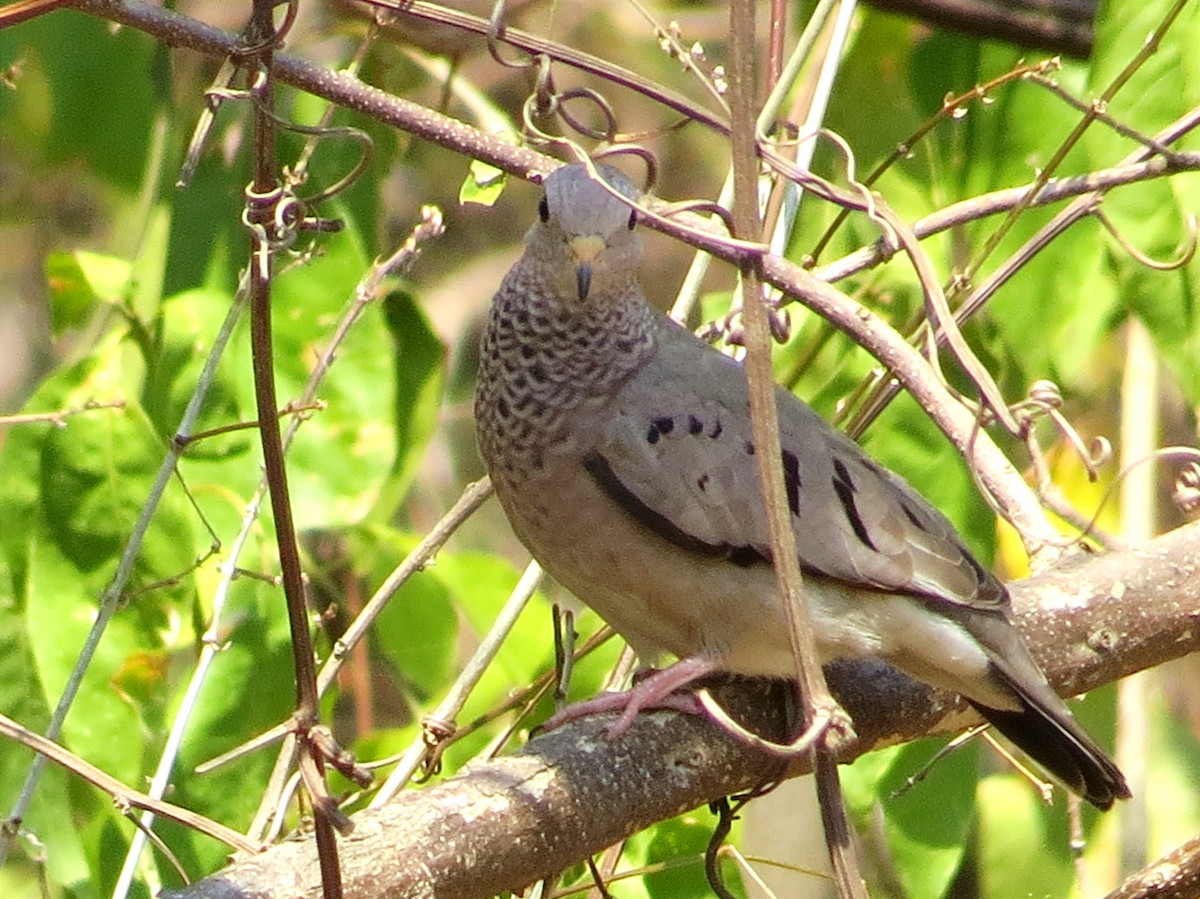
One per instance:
(117, 284)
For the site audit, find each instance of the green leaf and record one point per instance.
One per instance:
(38, 455)
(1164, 85)
(679, 845)
(51, 821)
(52, 846)
(79, 283)
(1023, 851)
(1151, 216)
(96, 478)
(1059, 334)
(343, 452)
(874, 120)
(249, 688)
(480, 584)
(483, 185)
(58, 619)
(420, 357)
(418, 629)
(189, 325)
(82, 487)
(206, 233)
(96, 107)
(923, 849)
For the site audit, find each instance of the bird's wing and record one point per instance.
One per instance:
(676, 453)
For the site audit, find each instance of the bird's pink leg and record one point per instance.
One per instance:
(657, 691)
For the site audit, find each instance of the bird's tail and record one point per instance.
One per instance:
(1045, 730)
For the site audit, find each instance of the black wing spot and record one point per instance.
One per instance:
(749, 447)
(695, 425)
(993, 590)
(716, 429)
(652, 434)
(702, 481)
(843, 485)
(745, 556)
(544, 209)
(665, 424)
(597, 466)
(841, 473)
(911, 514)
(791, 480)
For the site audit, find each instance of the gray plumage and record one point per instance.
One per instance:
(620, 448)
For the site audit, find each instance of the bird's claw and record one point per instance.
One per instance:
(627, 703)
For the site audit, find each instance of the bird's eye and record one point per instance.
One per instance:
(632, 219)
(543, 209)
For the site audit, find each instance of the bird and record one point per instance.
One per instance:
(619, 445)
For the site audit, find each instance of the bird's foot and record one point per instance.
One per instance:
(657, 690)
(627, 704)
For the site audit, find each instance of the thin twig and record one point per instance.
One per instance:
(538, 46)
(59, 417)
(1088, 191)
(123, 795)
(444, 715)
(267, 227)
(815, 700)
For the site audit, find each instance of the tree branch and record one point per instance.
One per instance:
(1060, 26)
(995, 472)
(504, 824)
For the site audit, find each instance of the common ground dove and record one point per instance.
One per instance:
(620, 448)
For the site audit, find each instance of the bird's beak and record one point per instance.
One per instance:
(585, 249)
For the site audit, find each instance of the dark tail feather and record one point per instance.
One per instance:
(1052, 739)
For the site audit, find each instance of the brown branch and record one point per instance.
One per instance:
(343, 88)
(826, 725)
(507, 823)
(177, 30)
(1174, 876)
(534, 45)
(997, 475)
(1060, 26)
(264, 200)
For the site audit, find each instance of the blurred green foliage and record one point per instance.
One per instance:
(139, 276)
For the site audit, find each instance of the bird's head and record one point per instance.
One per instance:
(585, 236)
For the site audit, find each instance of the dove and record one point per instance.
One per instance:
(620, 448)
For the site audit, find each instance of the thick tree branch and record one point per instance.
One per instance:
(504, 824)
